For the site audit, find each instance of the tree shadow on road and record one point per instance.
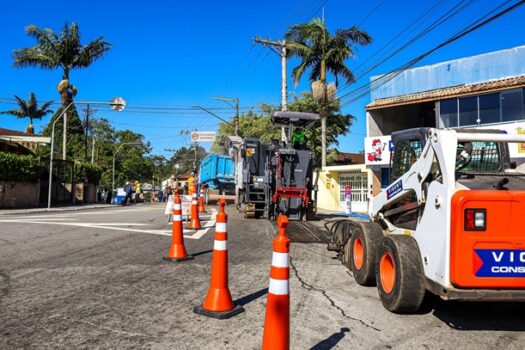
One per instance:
(477, 316)
(331, 341)
(251, 297)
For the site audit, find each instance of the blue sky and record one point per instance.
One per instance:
(174, 53)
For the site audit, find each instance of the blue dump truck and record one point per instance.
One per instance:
(218, 172)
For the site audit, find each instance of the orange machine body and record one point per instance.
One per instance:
(494, 257)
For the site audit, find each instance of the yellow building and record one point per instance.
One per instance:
(333, 181)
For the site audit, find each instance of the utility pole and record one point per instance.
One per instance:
(87, 111)
(228, 100)
(279, 47)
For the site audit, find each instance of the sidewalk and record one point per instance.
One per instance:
(71, 207)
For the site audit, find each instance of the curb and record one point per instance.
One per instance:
(60, 209)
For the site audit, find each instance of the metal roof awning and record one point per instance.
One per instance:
(450, 92)
(26, 139)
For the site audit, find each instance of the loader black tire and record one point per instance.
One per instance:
(363, 245)
(399, 274)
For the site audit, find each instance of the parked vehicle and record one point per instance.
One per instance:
(218, 173)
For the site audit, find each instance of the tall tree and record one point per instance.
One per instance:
(185, 156)
(65, 51)
(322, 52)
(260, 126)
(338, 124)
(30, 109)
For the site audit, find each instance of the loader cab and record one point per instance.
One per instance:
(408, 145)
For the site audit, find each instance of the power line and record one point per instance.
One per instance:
(480, 22)
(370, 14)
(460, 6)
(402, 34)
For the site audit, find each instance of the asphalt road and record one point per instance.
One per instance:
(95, 279)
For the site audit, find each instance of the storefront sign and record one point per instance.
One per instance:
(517, 150)
(378, 150)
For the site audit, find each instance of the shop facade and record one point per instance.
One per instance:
(484, 91)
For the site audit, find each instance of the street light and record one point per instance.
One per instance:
(117, 104)
(136, 143)
(236, 106)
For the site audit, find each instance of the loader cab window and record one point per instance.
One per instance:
(478, 157)
(406, 152)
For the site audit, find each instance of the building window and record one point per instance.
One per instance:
(448, 112)
(511, 105)
(489, 108)
(505, 106)
(468, 111)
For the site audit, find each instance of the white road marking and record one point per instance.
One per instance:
(195, 234)
(41, 219)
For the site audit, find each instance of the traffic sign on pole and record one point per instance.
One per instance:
(203, 136)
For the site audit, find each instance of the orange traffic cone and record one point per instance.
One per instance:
(202, 209)
(218, 302)
(195, 222)
(276, 334)
(177, 250)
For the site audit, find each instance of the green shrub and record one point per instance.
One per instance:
(14, 167)
(88, 172)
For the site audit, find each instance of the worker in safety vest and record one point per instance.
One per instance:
(298, 139)
(138, 191)
(191, 181)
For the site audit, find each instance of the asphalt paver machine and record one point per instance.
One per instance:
(254, 179)
(277, 177)
(292, 165)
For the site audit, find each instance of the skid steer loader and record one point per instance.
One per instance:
(450, 222)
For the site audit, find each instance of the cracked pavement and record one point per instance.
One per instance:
(85, 287)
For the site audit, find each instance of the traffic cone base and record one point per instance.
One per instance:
(220, 315)
(167, 258)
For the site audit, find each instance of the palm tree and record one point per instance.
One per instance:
(63, 50)
(29, 109)
(320, 51)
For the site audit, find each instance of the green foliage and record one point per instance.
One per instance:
(260, 126)
(59, 50)
(337, 124)
(29, 109)
(184, 157)
(131, 162)
(14, 167)
(88, 172)
(320, 51)
(250, 125)
(62, 50)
